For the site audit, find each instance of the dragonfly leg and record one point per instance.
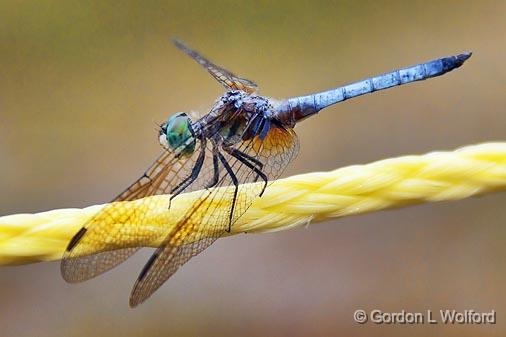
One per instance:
(254, 160)
(250, 158)
(194, 174)
(245, 159)
(236, 184)
(216, 169)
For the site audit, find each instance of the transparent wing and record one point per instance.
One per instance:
(106, 230)
(225, 77)
(208, 219)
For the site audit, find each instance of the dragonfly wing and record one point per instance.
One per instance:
(104, 233)
(225, 77)
(211, 216)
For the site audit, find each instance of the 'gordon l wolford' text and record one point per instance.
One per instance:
(446, 316)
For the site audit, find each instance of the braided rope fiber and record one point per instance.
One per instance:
(287, 203)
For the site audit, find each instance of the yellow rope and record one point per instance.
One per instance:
(290, 202)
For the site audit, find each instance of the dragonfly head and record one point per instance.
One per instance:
(177, 132)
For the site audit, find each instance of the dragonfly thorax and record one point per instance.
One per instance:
(237, 115)
(177, 133)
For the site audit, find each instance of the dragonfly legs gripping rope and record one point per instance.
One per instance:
(245, 159)
(252, 163)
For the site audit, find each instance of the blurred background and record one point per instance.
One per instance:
(82, 84)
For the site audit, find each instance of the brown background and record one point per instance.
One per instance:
(83, 82)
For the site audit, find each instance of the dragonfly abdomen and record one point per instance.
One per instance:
(294, 109)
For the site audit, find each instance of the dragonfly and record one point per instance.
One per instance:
(244, 142)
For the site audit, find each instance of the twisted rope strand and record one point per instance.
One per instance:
(287, 203)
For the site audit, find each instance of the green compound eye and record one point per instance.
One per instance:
(179, 132)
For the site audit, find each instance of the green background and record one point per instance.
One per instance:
(82, 84)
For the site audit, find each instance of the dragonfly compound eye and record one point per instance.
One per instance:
(179, 133)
